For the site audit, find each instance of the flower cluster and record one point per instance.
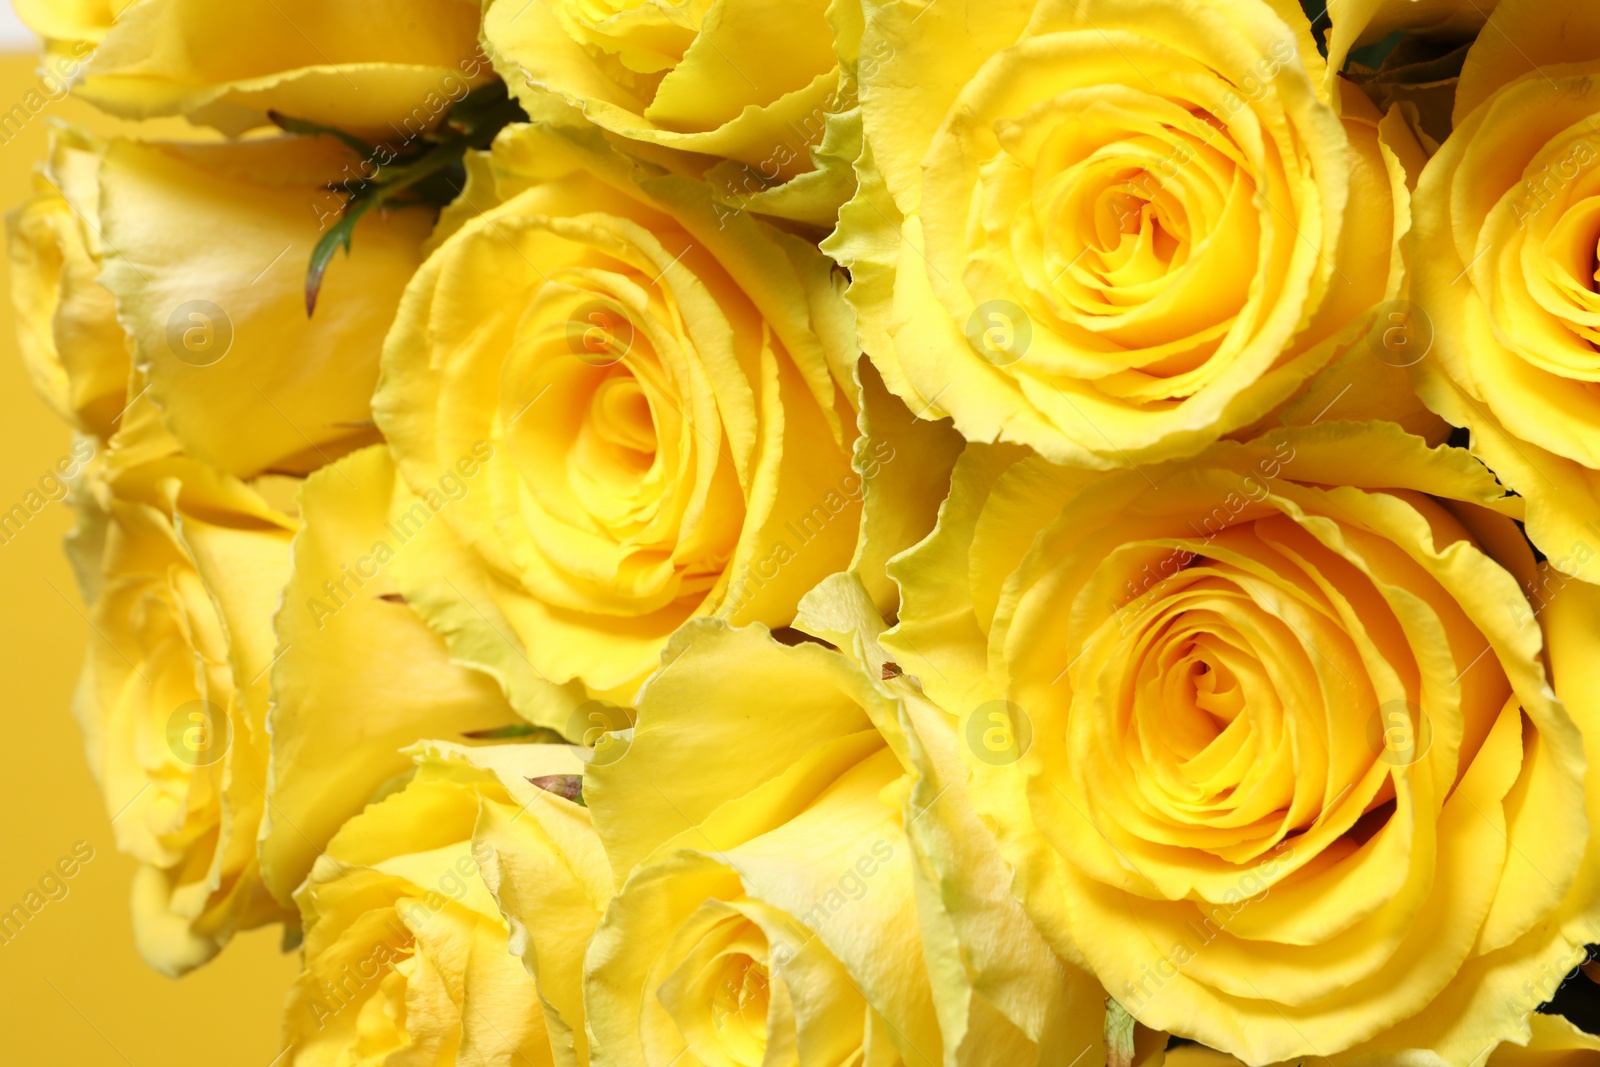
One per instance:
(853, 534)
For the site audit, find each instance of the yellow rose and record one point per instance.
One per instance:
(1555, 1043)
(1357, 23)
(355, 66)
(550, 876)
(776, 910)
(73, 348)
(1112, 231)
(205, 249)
(759, 85)
(185, 567)
(359, 676)
(70, 20)
(1269, 734)
(1504, 269)
(405, 948)
(966, 908)
(70, 30)
(661, 412)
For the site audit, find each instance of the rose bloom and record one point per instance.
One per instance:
(183, 567)
(205, 249)
(1113, 232)
(550, 876)
(69, 31)
(360, 677)
(405, 946)
(72, 345)
(354, 66)
(724, 944)
(761, 86)
(967, 910)
(659, 408)
(1504, 248)
(1287, 743)
(1555, 1043)
(794, 904)
(71, 20)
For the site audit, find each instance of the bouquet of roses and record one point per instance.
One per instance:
(845, 534)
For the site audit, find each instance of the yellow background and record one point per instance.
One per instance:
(72, 988)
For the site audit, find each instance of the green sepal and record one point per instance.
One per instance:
(1118, 1034)
(516, 732)
(430, 174)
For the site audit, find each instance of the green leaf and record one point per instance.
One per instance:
(428, 175)
(339, 234)
(316, 129)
